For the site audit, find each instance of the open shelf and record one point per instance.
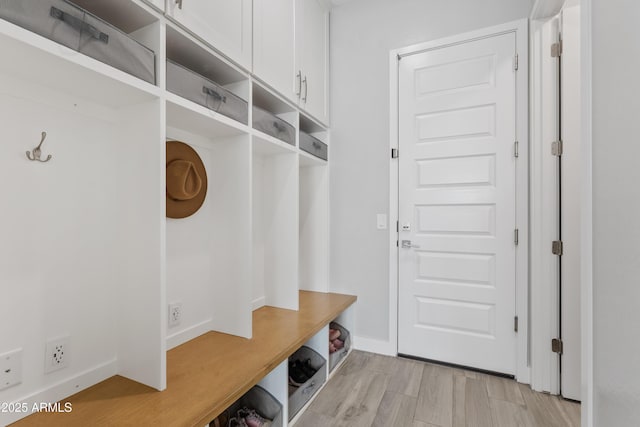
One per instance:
(185, 114)
(68, 71)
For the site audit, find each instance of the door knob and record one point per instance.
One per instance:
(406, 244)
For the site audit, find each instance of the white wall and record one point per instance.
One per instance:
(616, 209)
(362, 34)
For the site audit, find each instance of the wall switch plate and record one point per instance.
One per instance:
(175, 314)
(10, 368)
(56, 354)
(382, 221)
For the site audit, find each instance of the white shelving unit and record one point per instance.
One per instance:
(87, 248)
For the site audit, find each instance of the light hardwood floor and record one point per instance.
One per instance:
(375, 390)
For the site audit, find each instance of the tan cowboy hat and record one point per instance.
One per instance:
(186, 180)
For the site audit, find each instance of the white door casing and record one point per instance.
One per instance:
(571, 205)
(457, 193)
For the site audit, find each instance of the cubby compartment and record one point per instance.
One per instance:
(313, 226)
(300, 394)
(80, 243)
(274, 223)
(257, 400)
(340, 346)
(121, 34)
(196, 73)
(313, 141)
(207, 262)
(345, 323)
(273, 117)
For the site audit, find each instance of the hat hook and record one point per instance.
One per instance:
(37, 152)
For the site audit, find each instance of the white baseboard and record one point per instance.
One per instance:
(375, 346)
(258, 303)
(188, 334)
(61, 390)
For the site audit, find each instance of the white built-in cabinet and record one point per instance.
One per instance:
(291, 51)
(274, 45)
(312, 53)
(87, 251)
(224, 24)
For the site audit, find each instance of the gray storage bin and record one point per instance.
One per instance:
(274, 126)
(313, 145)
(75, 28)
(336, 357)
(263, 403)
(299, 396)
(196, 88)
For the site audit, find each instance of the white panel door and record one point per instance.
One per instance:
(224, 24)
(274, 44)
(458, 204)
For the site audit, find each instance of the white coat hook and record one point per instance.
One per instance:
(37, 152)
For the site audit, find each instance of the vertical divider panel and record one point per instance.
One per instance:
(276, 383)
(231, 224)
(140, 320)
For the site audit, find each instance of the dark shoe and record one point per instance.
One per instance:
(308, 370)
(297, 377)
(221, 420)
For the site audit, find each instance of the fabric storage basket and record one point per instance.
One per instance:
(313, 146)
(196, 88)
(299, 396)
(337, 356)
(263, 403)
(75, 28)
(274, 126)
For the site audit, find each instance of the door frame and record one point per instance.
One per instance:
(521, 30)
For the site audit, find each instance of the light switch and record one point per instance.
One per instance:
(382, 221)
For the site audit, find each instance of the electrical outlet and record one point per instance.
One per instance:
(56, 354)
(10, 368)
(175, 314)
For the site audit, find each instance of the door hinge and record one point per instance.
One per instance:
(516, 237)
(556, 345)
(556, 49)
(516, 149)
(394, 153)
(557, 148)
(397, 244)
(516, 62)
(515, 324)
(397, 226)
(557, 247)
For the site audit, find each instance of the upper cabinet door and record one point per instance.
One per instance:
(224, 24)
(312, 53)
(274, 45)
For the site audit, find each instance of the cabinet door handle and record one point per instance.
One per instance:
(299, 79)
(306, 88)
(179, 3)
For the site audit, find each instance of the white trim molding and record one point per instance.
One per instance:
(521, 29)
(586, 220)
(545, 374)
